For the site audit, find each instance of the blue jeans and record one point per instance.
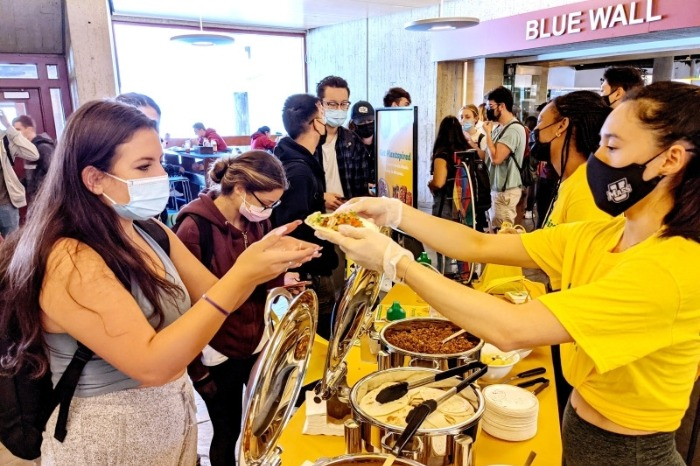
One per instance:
(9, 219)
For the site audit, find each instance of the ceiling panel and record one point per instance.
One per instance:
(283, 14)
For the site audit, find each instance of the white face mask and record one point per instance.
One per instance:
(147, 197)
(252, 212)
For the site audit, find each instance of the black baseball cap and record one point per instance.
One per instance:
(362, 112)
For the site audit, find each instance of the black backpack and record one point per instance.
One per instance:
(26, 403)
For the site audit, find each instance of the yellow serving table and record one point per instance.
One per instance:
(488, 450)
(298, 447)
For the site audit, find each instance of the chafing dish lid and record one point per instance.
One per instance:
(276, 381)
(353, 311)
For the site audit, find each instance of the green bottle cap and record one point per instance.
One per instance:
(395, 312)
(424, 258)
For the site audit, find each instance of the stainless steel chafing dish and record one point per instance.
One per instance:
(433, 447)
(276, 380)
(353, 315)
(392, 356)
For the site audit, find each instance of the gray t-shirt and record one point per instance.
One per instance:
(98, 376)
(507, 172)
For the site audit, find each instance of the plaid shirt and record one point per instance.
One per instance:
(354, 164)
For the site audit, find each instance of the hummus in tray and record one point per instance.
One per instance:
(331, 222)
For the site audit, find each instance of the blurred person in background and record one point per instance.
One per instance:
(260, 140)
(397, 97)
(618, 81)
(203, 133)
(34, 172)
(12, 193)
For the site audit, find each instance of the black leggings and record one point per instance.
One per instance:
(585, 445)
(225, 408)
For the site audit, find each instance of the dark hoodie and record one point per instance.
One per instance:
(307, 183)
(242, 330)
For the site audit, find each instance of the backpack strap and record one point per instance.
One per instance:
(510, 156)
(6, 143)
(65, 388)
(156, 232)
(206, 237)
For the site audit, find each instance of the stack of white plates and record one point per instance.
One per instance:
(510, 412)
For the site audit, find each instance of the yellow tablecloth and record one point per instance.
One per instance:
(488, 450)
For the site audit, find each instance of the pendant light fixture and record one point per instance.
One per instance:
(441, 23)
(203, 39)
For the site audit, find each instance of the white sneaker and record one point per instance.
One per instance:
(528, 214)
(175, 193)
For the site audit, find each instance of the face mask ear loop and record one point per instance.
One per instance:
(109, 199)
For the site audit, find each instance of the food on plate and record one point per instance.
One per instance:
(426, 338)
(319, 221)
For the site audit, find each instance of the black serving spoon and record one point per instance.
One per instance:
(396, 391)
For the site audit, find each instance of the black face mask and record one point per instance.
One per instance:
(606, 98)
(365, 130)
(540, 151)
(617, 189)
(491, 114)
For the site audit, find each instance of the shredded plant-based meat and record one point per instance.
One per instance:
(426, 338)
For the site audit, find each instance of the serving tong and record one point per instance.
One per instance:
(539, 380)
(420, 413)
(396, 391)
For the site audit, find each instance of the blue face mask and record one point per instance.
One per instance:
(467, 126)
(147, 197)
(336, 118)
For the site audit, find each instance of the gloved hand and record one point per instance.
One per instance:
(384, 211)
(368, 248)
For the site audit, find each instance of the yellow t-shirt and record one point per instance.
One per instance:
(574, 204)
(634, 317)
(575, 201)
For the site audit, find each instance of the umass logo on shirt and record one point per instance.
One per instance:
(619, 191)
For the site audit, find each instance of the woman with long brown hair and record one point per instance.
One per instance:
(84, 272)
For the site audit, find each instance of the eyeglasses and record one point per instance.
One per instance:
(344, 105)
(265, 207)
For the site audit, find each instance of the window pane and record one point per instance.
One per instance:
(13, 109)
(52, 71)
(14, 71)
(59, 117)
(206, 84)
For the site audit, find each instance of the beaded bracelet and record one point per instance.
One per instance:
(216, 306)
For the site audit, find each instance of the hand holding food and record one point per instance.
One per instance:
(332, 222)
(368, 248)
(383, 211)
